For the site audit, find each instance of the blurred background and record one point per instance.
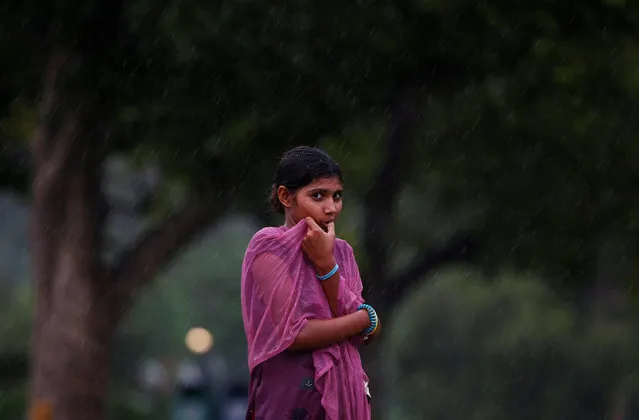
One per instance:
(490, 155)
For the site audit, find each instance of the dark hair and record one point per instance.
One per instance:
(299, 167)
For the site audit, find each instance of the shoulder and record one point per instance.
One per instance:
(281, 241)
(265, 233)
(263, 238)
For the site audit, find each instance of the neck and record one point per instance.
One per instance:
(288, 221)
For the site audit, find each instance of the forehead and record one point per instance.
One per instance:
(328, 184)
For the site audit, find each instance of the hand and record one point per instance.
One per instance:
(369, 338)
(319, 245)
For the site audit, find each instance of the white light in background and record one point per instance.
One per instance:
(154, 375)
(199, 340)
(189, 374)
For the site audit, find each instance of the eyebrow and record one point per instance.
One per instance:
(325, 190)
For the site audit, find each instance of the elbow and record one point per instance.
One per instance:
(300, 343)
(295, 347)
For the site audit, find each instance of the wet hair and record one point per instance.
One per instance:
(299, 167)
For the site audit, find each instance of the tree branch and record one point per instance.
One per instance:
(382, 195)
(51, 147)
(57, 129)
(461, 247)
(141, 264)
(380, 200)
(48, 104)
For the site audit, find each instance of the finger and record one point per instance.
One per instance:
(309, 227)
(312, 224)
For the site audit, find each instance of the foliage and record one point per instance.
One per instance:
(12, 402)
(120, 406)
(526, 133)
(528, 124)
(202, 288)
(467, 346)
(15, 324)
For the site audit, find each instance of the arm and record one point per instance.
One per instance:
(331, 288)
(325, 332)
(319, 246)
(319, 333)
(343, 290)
(274, 287)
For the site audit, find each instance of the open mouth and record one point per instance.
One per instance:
(324, 225)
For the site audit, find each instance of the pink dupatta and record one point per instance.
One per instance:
(280, 293)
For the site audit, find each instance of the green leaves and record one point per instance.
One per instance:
(528, 117)
(468, 346)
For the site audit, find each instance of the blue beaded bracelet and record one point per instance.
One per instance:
(372, 316)
(329, 274)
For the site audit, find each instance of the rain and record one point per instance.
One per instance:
(487, 154)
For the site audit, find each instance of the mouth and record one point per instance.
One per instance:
(324, 225)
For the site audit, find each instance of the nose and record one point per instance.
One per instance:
(330, 208)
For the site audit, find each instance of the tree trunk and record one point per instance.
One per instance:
(73, 341)
(80, 301)
(74, 325)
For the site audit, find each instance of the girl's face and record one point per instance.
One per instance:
(321, 200)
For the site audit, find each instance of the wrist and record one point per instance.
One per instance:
(373, 320)
(324, 267)
(363, 319)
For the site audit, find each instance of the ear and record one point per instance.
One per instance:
(285, 196)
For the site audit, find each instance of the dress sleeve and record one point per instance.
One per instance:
(283, 317)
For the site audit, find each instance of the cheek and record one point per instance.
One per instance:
(307, 206)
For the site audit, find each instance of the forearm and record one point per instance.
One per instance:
(331, 287)
(320, 333)
(341, 299)
(331, 290)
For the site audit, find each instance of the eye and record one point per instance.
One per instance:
(317, 196)
(337, 196)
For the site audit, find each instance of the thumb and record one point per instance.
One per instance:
(331, 229)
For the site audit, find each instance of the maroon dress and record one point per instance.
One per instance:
(288, 377)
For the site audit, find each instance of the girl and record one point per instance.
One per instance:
(303, 312)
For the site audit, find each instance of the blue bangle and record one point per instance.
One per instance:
(372, 316)
(329, 274)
